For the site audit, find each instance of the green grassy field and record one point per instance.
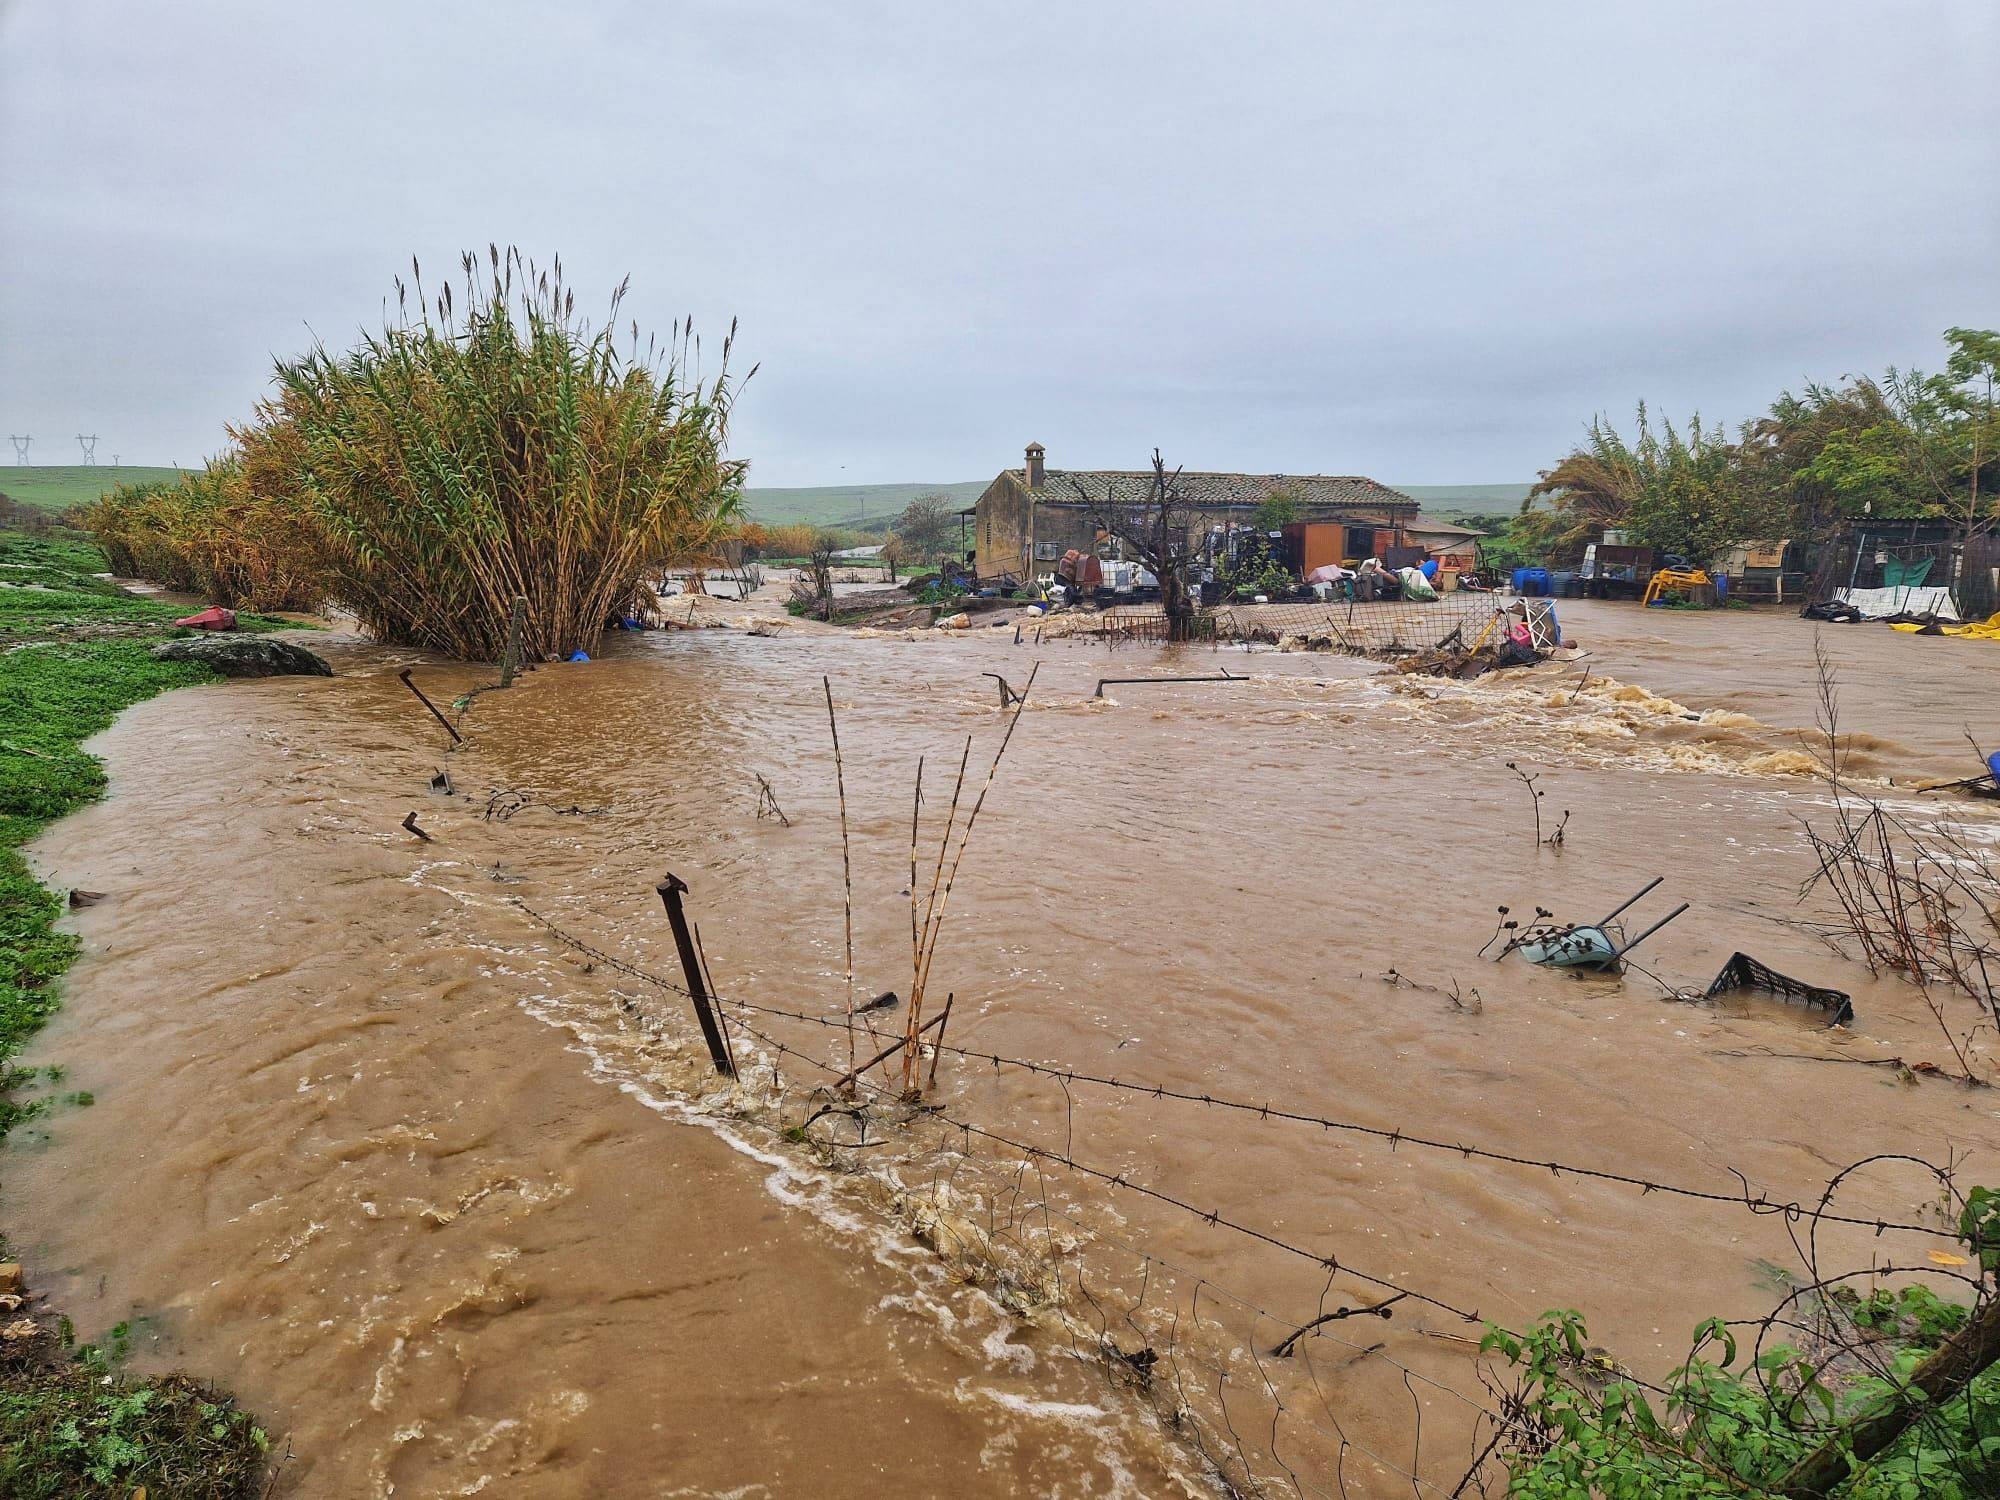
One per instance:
(853, 505)
(1452, 502)
(59, 486)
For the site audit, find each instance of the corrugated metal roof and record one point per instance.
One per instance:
(1440, 528)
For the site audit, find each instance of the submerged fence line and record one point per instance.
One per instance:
(1792, 1212)
(1212, 1217)
(1034, 1155)
(1331, 1263)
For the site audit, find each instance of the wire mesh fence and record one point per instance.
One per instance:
(1382, 628)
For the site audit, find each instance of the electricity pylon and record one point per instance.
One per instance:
(20, 447)
(89, 447)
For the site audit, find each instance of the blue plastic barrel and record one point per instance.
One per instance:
(1520, 580)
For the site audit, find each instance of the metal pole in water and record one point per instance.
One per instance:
(1606, 918)
(670, 891)
(404, 678)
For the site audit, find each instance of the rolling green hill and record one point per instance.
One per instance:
(59, 486)
(1453, 502)
(854, 505)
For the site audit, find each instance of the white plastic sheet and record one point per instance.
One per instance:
(1875, 603)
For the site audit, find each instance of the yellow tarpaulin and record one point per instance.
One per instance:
(1987, 629)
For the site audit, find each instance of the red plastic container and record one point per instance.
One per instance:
(215, 618)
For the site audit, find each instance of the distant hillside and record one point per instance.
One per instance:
(848, 504)
(855, 505)
(59, 486)
(1451, 502)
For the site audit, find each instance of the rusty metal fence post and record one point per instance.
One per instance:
(671, 889)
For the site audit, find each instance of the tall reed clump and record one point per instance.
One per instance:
(223, 532)
(494, 445)
(454, 462)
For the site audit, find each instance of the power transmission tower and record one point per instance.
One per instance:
(114, 460)
(89, 447)
(20, 447)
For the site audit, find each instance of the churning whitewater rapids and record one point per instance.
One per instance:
(459, 1209)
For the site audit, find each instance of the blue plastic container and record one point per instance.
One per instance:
(1531, 582)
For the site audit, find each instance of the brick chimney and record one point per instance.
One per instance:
(1035, 470)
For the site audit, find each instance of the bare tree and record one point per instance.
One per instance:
(1163, 532)
(813, 591)
(926, 527)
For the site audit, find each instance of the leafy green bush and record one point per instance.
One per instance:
(1586, 1429)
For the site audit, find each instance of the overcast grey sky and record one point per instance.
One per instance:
(1423, 241)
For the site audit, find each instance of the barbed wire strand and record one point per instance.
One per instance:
(1757, 1203)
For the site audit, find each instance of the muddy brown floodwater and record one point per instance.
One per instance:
(457, 1208)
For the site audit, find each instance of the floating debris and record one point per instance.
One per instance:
(1743, 972)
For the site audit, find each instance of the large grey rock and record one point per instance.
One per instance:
(246, 656)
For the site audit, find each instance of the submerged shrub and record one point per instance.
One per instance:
(496, 445)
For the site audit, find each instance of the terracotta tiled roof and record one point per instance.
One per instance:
(1314, 492)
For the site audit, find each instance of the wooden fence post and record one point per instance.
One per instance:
(670, 891)
(510, 661)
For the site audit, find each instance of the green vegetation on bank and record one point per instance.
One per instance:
(57, 487)
(78, 1429)
(1834, 1372)
(74, 653)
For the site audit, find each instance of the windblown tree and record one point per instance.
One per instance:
(1905, 446)
(1163, 532)
(1780, 453)
(1932, 446)
(492, 445)
(1592, 488)
(1681, 491)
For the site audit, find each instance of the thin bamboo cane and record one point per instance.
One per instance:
(965, 837)
(846, 863)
